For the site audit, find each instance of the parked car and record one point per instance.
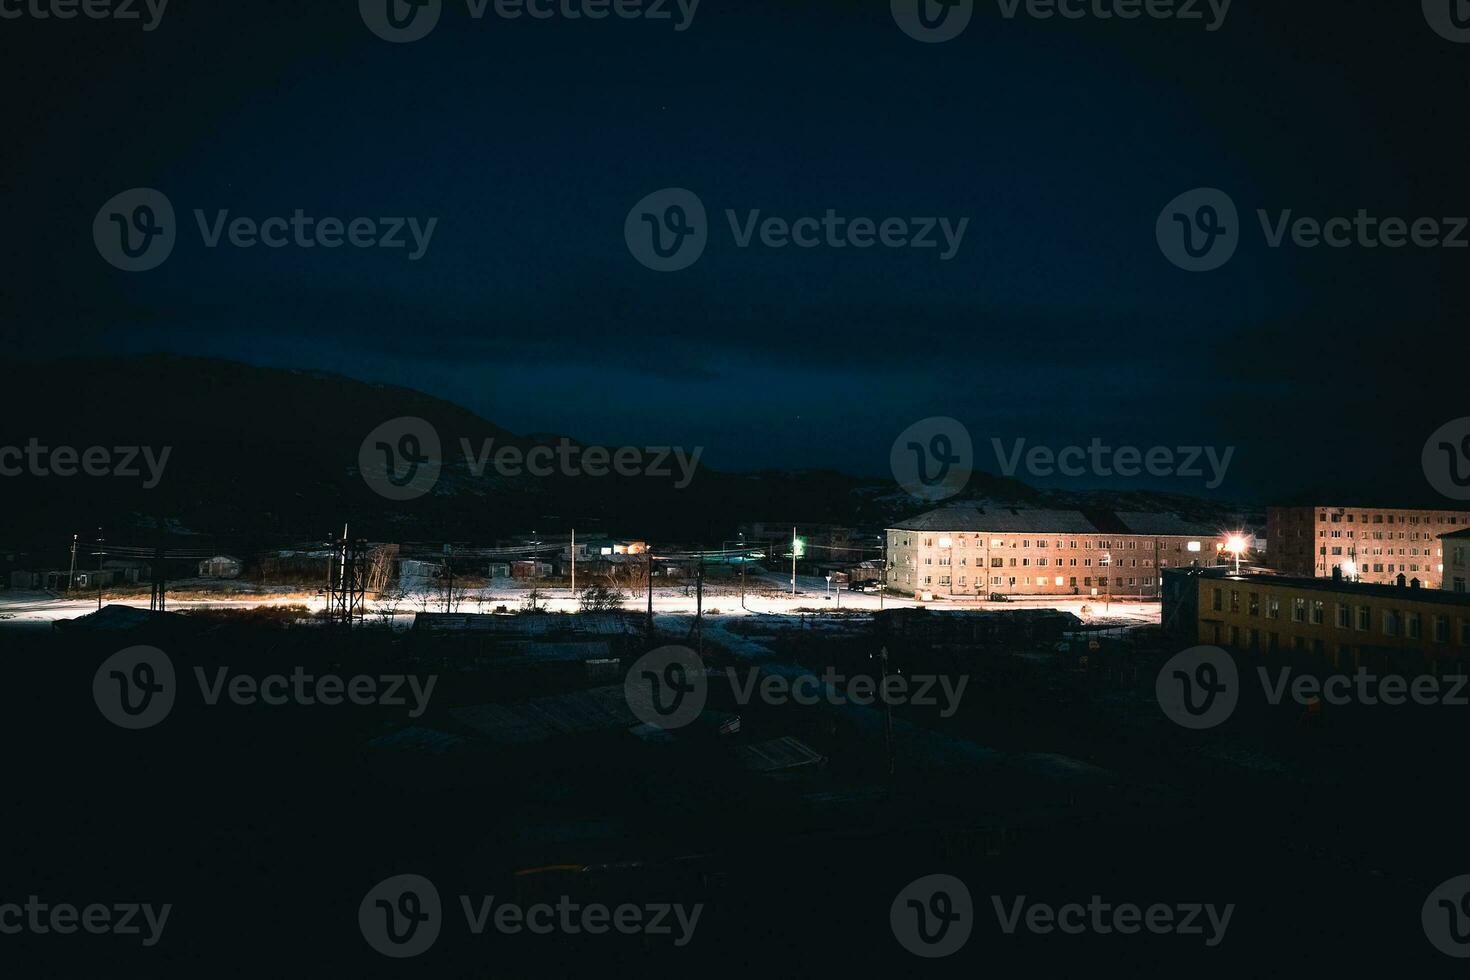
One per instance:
(998, 597)
(862, 586)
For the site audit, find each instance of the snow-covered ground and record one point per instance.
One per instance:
(762, 597)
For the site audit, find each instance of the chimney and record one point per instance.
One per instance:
(1337, 573)
(1403, 580)
(1414, 584)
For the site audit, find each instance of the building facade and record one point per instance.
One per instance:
(974, 551)
(1350, 623)
(1381, 544)
(1456, 550)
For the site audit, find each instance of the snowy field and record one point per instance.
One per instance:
(762, 597)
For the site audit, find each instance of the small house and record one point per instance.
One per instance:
(220, 566)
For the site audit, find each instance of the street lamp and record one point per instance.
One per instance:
(1350, 569)
(1235, 544)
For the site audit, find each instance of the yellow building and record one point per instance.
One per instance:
(1352, 624)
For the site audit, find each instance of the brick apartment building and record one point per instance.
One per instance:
(1456, 549)
(1382, 543)
(974, 551)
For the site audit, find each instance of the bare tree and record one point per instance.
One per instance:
(600, 598)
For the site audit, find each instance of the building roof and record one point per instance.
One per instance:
(1457, 534)
(1366, 589)
(1151, 522)
(1014, 520)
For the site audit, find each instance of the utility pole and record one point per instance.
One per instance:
(71, 577)
(158, 602)
(793, 561)
(101, 551)
(449, 576)
(699, 607)
(887, 712)
(649, 564)
(574, 564)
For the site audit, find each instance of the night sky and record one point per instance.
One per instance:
(1059, 319)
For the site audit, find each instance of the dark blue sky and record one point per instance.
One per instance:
(1058, 321)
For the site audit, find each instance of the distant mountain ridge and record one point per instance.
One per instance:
(259, 456)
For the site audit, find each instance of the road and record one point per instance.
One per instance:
(766, 595)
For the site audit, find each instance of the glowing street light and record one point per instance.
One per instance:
(1236, 546)
(1350, 569)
